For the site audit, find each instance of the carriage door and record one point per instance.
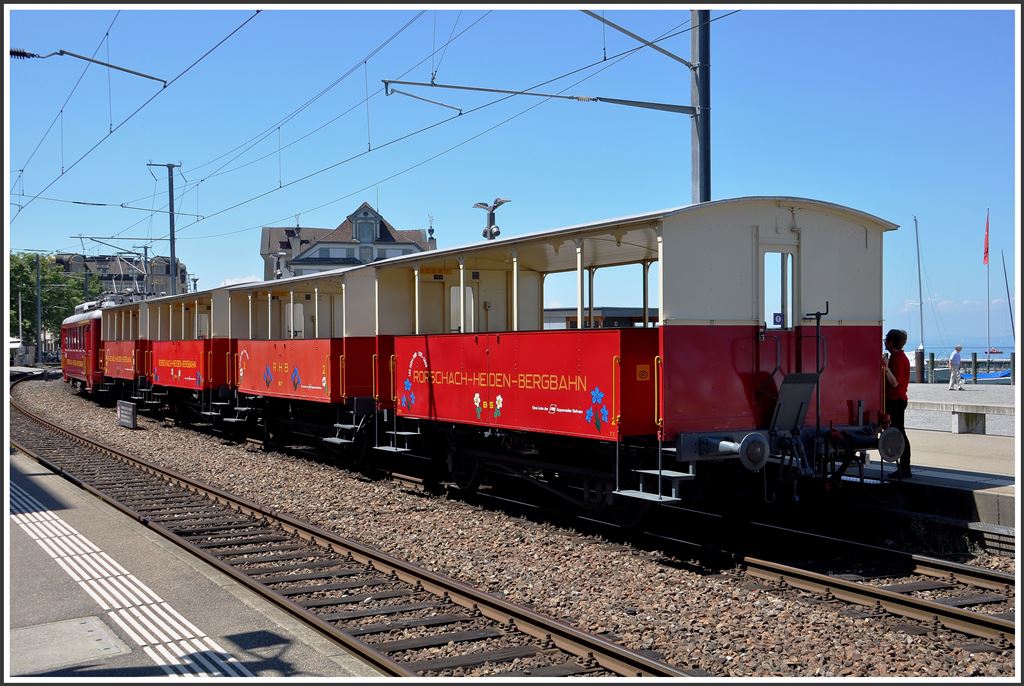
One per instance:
(779, 319)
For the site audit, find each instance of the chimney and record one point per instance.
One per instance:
(431, 241)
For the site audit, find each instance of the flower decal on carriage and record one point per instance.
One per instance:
(476, 404)
(296, 379)
(597, 413)
(497, 406)
(408, 397)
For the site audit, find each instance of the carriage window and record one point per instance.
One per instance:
(777, 290)
(454, 309)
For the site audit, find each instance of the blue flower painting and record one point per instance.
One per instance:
(296, 379)
(597, 413)
(408, 385)
(268, 378)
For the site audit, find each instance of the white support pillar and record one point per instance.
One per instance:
(540, 300)
(195, 320)
(344, 311)
(579, 283)
(159, 321)
(416, 299)
(376, 302)
(515, 290)
(331, 300)
(270, 316)
(316, 313)
(291, 314)
(462, 295)
(646, 264)
(661, 279)
(209, 332)
(250, 316)
(229, 315)
(590, 296)
(182, 332)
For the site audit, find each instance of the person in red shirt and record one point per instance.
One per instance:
(897, 377)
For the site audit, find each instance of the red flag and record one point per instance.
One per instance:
(985, 260)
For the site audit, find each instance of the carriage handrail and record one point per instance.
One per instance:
(658, 419)
(373, 376)
(615, 362)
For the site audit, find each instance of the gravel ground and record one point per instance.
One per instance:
(727, 626)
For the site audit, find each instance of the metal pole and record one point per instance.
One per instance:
(1009, 303)
(170, 214)
(700, 93)
(39, 310)
(646, 266)
(170, 210)
(21, 336)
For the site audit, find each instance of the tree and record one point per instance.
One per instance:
(61, 292)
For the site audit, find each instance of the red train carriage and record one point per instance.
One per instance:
(81, 351)
(762, 355)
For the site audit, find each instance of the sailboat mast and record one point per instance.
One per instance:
(1008, 303)
(920, 299)
(988, 298)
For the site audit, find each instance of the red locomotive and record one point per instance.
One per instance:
(764, 355)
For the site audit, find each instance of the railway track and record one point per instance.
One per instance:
(402, 619)
(936, 593)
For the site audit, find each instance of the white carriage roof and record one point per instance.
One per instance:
(617, 241)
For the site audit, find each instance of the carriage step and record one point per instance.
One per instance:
(243, 409)
(220, 403)
(337, 441)
(666, 449)
(137, 397)
(345, 426)
(391, 448)
(668, 474)
(160, 393)
(403, 433)
(234, 419)
(211, 413)
(154, 402)
(643, 495)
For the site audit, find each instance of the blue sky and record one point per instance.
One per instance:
(894, 112)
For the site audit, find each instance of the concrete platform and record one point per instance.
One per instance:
(94, 594)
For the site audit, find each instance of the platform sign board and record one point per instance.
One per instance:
(126, 414)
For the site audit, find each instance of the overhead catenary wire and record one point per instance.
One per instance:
(291, 115)
(615, 59)
(256, 140)
(221, 171)
(66, 100)
(139, 109)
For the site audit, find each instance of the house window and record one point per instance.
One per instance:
(364, 231)
(325, 253)
(366, 254)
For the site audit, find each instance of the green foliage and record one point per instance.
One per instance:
(61, 292)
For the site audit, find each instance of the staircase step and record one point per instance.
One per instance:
(234, 420)
(403, 433)
(336, 440)
(345, 426)
(391, 448)
(667, 473)
(220, 403)
(643, 495)
(211, 413)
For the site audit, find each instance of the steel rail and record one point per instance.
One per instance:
(608, 655)
(958, 619)
(915, 564)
